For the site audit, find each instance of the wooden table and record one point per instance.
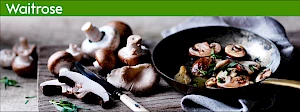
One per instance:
(165, 97)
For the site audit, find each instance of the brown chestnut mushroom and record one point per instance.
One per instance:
(235, 51)
(105, 60)
(60, 61)
(139, 79)
(182, 76)
(200, 67)
(84, 88)
(75, 51)
(250, 66)
(200, 50)
(106, 37)
(6, 58)
(263, 75)
(24, 65)
(134, 53)
(24, 45)
(123, 29)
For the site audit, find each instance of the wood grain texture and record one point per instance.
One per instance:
(165, 98)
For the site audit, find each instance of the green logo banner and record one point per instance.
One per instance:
(150, 8)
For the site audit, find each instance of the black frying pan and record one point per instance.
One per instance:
(172, 52)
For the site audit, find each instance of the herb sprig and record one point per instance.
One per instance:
(8, 82)
(66, 106)
(28, 97)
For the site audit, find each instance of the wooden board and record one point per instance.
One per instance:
(165, 98)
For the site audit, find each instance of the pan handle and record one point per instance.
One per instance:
(282, 82)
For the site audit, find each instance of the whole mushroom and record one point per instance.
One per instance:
(60, 61)
(6, 58)
(106, 37)
(204, 49)
(134, 53)
(24, 65)
(75, 51)
(235, 51)
(123, 29)
(24, 45)
(139, 79)
(105, 60)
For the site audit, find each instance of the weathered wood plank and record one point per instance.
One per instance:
(165, 97)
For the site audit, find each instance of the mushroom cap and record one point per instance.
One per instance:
(216, 46)
(75, 51)
(235, 51)
(202, 64)
(134, 53)
(6, 57)
(123, 29)
(58, 60)
(24, 65)
(200, 50)
(106, 59)
(24, 45)
(139, 79)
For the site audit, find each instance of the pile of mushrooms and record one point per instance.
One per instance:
(110, 45)
(22, 58)
(226, 72)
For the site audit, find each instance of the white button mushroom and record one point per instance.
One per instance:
(6, 58)
(75, 51)
(134, 53)
(24, 65)
(139, 79)
(60, 61)
(106, 37)
(24, 45)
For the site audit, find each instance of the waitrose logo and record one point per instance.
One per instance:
(32, 8)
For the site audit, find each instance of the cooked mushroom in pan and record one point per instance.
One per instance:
(220, 69)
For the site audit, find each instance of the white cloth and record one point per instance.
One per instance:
(266, 27)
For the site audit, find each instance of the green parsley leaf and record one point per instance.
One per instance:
(232, 64)
(8, 82)
(66, 106)
(251, 67)
(202, 72)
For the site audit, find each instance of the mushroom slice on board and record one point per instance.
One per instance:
(84, 88)
(200, 67)
(235, 51)
(54, 87)
(24, 45)
(139, 79)
(200, 50)
(182, 76)
(134, 53)
(60, 61)
(6, 58)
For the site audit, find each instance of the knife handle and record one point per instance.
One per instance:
(133, 105)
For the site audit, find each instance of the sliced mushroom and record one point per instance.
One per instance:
(201, 66)
(250, 66)
(263, 75)
(235, 51)
(6, 58)
(211, 82)
(225, 81)
(216, 46)
(60, 61)
(233, 72)
(221, 63)
(123, 29)
(200, 50)
(54, 87)
(106, 37)
(105, 60)
(139, 79)
(182, 76)
(75, 51)
(134, 53)
(84, 88)
(24, 65)
(24, 45)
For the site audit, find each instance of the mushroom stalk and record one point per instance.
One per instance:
(92, 32)
(23, 43)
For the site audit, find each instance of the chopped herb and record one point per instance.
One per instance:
(26, 101)
(220, 80)
(232, 64)
(8, 82)
(66, 106)
(195, 85)
(213, 55)
(27, 97)
(251, 67)
(202, 72)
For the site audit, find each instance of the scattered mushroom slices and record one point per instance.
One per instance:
(229, 71)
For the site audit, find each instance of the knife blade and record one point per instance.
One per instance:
(111, 89)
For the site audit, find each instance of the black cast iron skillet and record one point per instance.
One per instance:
(172, 52)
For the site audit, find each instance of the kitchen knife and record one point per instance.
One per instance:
(111, 89)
